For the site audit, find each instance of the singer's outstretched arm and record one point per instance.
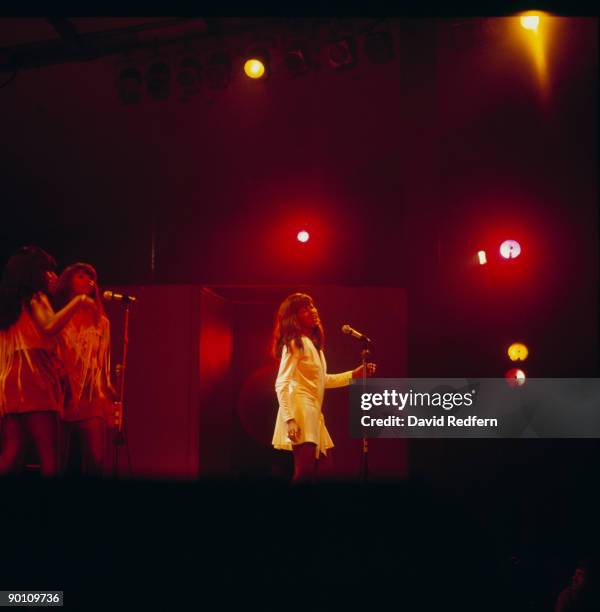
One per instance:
(51, 322)
(343, 379)
(338, 380)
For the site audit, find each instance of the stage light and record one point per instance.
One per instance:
(515, 377)
(379, 47)
(342, 54)
(254, 68)
(534, 22)
(218, 70)
(517, 351)
(303, 236)
(296, 59)
(530, 22)
(257, 64)
(129, 85)
(158, 80)
(510, 249)
(482, 257)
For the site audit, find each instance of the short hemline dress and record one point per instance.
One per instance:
(300, 386)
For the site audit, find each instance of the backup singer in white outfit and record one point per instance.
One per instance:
(301, 383)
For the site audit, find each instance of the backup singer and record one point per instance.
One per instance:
(298, 339)
(84, 348)
(31, 401)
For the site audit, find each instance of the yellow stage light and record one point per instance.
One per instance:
(530, 22)
(254, 68)
(517, 351)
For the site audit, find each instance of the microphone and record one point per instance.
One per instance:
(352, 332)
(111, 296)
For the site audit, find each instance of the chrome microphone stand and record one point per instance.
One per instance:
(120, 438)
(364, 463)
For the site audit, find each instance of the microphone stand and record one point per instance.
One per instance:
(364, 462)
(120, 438)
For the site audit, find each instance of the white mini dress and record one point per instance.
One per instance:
(300, 386)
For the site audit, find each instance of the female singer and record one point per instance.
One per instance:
(84, 349)
(302, 378)
(31, 401)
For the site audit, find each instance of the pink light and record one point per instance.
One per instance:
(510, 249)
(303, 236)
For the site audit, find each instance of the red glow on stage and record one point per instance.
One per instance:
(256, 408)
(215, 339)
(301, 235)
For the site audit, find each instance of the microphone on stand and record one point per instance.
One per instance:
(356, 334)
(111, 296)
(365, 352)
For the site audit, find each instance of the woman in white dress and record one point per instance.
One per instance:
(301, 382)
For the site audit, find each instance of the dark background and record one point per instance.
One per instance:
(401, 172)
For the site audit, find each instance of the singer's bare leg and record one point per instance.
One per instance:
(93, 442)
(44, 428)
(305, 462)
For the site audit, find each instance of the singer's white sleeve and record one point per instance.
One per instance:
(285, 376)
(338, 380)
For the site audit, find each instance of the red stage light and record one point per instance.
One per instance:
(482, 257)
(303, 236)
(515, 377)
(342, 53)
(297, 58)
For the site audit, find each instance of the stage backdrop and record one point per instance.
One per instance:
(200, 399)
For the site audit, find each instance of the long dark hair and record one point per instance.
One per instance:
(62, 294)
(24, 275)
(287, 328)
